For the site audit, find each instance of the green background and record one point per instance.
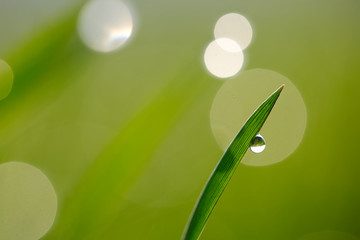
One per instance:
(125, 137)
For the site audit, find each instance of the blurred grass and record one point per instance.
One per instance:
(111, 174)
(96, 200)
(30, 63)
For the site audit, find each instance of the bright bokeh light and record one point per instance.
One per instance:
(223, 62)
(236, 27)
(105, 25)
(6, 79)
(28, 202)
(238, 98)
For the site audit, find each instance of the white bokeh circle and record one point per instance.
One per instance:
(223, 62)
(105, 25)
(28, 202)
(239, 97)
(235, 27)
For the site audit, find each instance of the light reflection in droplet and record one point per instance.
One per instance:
(236, 27)
(257, 144)
(105, 25)
(6, 79)
(237, 99)
(223, 62)
(28, 202)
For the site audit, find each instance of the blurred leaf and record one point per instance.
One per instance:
(96, 199)
(226, 168)
(39, 52)
(34, 64)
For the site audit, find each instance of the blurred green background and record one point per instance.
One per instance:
(125, 137)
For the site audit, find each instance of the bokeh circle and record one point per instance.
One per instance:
(223, 58)
(236, 27)
(105, 25)
(239, 97)
(28, 202)
(6, 79)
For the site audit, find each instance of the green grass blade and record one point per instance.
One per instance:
(226, 167)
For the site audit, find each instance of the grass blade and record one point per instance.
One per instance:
(226, 167)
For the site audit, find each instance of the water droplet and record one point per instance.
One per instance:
(257, 144)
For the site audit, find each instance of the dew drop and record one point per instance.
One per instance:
(257, 144)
